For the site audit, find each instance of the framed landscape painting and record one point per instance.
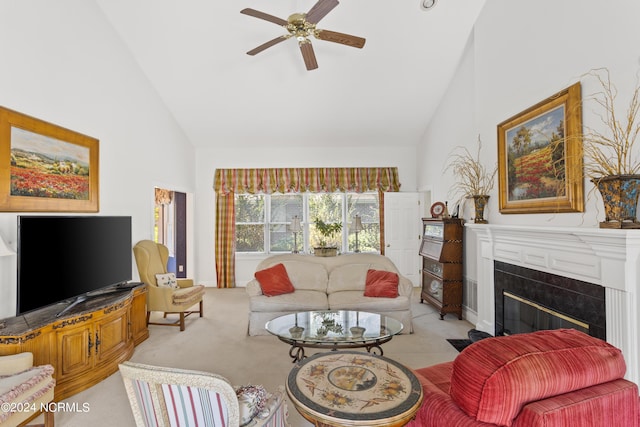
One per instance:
(540, 157)
(46, 168)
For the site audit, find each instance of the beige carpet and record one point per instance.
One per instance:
(219, 343)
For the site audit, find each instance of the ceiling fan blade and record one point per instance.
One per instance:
(308, 55)
(320, 10)
(346, 39)
(267, 45)
(265, 16)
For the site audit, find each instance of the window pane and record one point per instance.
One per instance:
(282, 238)
(328, 208)
(283, 208)
(249, 223)
(249, 237)
(249, 208)
(367, 206)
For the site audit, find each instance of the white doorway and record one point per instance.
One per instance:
(403, 232)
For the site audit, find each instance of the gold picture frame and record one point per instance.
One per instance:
(540, 157)
(45, 167)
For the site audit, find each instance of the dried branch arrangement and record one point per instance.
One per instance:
(473, 179)
(611, 152)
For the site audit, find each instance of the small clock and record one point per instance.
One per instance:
(437, 209)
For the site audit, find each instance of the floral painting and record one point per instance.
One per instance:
(535, 153)
(540, 157)
(45, 167)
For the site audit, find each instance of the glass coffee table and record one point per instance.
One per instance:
(334, 330)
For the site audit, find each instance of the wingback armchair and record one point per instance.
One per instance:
(163, 397)
(151, 259)
(26, 386)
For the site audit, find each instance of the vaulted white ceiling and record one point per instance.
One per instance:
(194, 54)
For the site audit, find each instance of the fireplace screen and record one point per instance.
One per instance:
(522, 315)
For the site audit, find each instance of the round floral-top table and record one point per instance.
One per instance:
(350, 388)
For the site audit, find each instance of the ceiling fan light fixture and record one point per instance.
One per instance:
(302, 26)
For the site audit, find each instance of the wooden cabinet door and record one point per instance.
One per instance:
(138, 316)
(75, 350)
(111, 336)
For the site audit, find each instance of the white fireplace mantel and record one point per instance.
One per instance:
(605, 257)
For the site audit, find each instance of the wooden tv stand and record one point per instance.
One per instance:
(87, 343)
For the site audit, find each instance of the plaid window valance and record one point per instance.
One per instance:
(299, 180)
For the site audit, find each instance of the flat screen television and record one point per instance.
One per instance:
(68, 257)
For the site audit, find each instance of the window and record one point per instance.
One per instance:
(262, 221)
(250, 221)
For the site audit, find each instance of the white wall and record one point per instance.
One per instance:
(521, 53)
(207, 161)
(62, 63)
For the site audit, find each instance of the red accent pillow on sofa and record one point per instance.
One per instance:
(274, 280)
(494, 378)
(381, 283)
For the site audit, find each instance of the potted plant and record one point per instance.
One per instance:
(474, 180)
(610, 161)
(327, 232)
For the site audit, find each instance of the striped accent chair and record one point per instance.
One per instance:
(551, 378)
(164, 397)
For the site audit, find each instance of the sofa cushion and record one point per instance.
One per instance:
(300, 300)
(495, 377)
(614, 403)
(380, 283)
(348, 277)
(354, 300)
(274, 281)
(307, 275)
(437, 408)
(189, 296)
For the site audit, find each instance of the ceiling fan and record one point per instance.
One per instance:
(302, 26)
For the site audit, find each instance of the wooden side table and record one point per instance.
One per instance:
(351, 388)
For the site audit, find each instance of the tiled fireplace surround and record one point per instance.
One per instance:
(606, 257)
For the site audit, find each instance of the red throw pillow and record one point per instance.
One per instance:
(274, 280)
(381, 283)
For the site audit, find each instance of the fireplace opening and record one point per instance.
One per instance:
(574, 299)
(522, 315)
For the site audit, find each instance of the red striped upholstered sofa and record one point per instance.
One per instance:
(548, 378)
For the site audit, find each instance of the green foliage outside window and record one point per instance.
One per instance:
(263, 221)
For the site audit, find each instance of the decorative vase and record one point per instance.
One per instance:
(296, 331)
(357, 331)
(620, 197)
(479, 203)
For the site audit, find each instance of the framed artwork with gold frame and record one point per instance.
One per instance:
(45, 167)
(540, 157)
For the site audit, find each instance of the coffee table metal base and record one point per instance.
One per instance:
(333, 330)
(297, 347)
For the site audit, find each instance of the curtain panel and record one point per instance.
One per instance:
(228, 182)
(300, 180)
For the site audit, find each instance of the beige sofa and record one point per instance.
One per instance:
(327, 283)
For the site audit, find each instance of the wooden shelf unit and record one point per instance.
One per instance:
(84, 346)
(441, 251)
